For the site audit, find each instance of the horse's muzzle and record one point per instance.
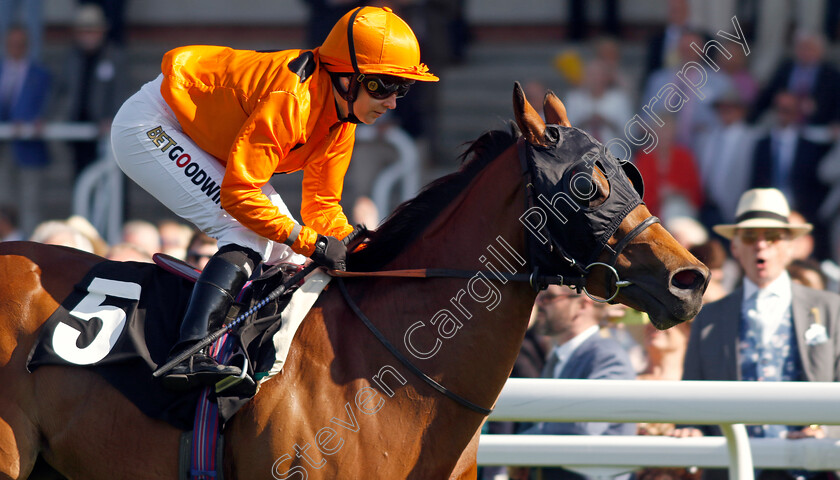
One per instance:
(688, 285)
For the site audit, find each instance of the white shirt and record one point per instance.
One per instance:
(563, 352)
(11, 79)
(773, 304)
(614, 107)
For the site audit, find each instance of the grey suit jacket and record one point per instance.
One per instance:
(713, 346)
(596, 358)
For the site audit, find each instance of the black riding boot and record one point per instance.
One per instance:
(214, 291)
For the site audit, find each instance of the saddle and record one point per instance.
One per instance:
(122, 319)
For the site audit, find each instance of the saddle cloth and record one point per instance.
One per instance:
(122, 319)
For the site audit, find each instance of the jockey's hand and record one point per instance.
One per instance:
(330, 252)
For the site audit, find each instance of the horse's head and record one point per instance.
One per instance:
(586, 221)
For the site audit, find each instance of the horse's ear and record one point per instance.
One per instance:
(555, 111)
(529, 121)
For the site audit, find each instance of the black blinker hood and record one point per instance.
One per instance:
(561, 175)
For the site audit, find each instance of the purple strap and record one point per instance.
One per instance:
(206, 425)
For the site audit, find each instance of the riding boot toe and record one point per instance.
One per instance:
(198, 371)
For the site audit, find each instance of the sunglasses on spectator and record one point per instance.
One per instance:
(198, 255)
(381, 87)
(548, 298)
(751, 236)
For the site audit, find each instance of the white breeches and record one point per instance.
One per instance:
(152, 149)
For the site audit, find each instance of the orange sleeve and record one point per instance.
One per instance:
(253, 159)
(323, 181)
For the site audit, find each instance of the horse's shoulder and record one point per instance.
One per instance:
(40, 253)
(17, 263)
(54, 268)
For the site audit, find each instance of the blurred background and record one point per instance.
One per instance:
(605, 58)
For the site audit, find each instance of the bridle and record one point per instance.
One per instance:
(534, 278)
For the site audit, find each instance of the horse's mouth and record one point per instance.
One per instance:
(662, 315)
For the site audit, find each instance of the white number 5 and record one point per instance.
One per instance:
(113, 321)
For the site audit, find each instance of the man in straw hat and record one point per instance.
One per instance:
(206, 136)
(768, 329)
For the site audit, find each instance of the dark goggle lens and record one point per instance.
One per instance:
(380, 88)
(751, 237)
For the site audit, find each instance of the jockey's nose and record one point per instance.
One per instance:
(391, 101)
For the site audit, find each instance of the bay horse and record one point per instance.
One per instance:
(344, 406)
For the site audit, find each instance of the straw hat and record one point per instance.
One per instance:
(763, 208)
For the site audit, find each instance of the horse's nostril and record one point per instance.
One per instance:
(688, 279)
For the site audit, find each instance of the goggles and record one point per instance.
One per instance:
(381, 87)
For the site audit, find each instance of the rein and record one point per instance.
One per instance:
(402, 358)
(531, 278)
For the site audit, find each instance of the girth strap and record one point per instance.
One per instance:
(402, 358)
(185, 455)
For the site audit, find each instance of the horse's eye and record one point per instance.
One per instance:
(589, 190)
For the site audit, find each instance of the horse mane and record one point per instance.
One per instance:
(411, 217)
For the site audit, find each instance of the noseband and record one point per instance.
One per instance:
(579, 283)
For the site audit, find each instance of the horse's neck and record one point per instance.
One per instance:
(479, 230)
(488, 207)
(462, 332)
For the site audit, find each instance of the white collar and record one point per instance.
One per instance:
(21, 64)
(786, 134)
(780, 286)
(564, 351)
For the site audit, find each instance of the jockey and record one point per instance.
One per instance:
(206, 136)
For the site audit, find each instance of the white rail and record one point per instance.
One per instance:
(98, 193)
(48, 131)
(629, 453)
(708, 403)
(728, 404)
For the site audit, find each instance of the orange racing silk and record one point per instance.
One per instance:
(259, 116)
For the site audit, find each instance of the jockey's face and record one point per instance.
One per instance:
(366, 108)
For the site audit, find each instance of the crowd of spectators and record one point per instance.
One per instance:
(140, 239)
(709, 119)
(138, 242)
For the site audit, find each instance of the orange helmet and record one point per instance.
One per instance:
(374, 40)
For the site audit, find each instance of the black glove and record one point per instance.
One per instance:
(330, 252)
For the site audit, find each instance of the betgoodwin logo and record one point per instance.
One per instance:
(183, 160)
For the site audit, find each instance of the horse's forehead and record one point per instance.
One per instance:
(573, 144)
